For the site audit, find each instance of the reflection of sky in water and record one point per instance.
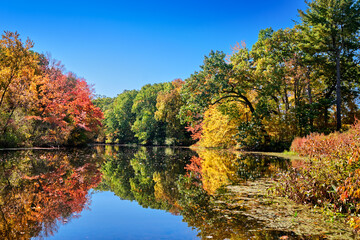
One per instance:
(113, 218)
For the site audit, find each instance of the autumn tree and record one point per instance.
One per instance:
(18, 76)
(218, 82)
(85, 117)
(39, 103)
(290, 89)
(219, 129)
(168, 104)
(63, 112)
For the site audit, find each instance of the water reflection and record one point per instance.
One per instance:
(147, 175)
(221, 168)
(221, 194)
(207, 206)
(39, 191)
(188, 183)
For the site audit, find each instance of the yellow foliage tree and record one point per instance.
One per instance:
(219, 130)
(18, 75)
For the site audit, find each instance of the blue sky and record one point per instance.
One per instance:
(118, 45)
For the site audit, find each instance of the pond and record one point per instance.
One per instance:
(117, 192)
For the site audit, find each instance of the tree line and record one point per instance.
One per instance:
(147, 116)
(290, 83)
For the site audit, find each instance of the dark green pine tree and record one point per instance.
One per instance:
(332, 32)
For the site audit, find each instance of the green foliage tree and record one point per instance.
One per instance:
(332, 29)
(215, 83)
(119, 118)
(145, 127)
(103, 102)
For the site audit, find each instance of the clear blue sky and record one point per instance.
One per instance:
(119, 45)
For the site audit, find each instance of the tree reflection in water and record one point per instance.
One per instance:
(206, 204)
(41, 189)
(188, 183)
(147, 175)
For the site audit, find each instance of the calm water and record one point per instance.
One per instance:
(112, 192)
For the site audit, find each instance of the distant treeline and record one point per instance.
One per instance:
(148, 116)
(290, 83)
(40, 105)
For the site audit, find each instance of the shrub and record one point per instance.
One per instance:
(331, 177)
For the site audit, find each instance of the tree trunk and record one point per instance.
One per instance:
(310, 100)
(286, 99)
(338, 92)
(5, 90)
(8, 120)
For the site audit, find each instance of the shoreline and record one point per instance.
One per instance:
(194, 148)
(31, 148)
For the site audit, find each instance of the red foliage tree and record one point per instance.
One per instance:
(64, 112)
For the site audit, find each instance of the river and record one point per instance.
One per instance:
(117, 192)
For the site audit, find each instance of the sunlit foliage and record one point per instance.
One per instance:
(39, 103)
(218, 130)
(119, 119)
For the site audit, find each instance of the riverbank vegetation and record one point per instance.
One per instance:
(40, 104)
(291, 82)
(330, 178)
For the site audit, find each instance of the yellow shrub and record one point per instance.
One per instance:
(218, 130)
